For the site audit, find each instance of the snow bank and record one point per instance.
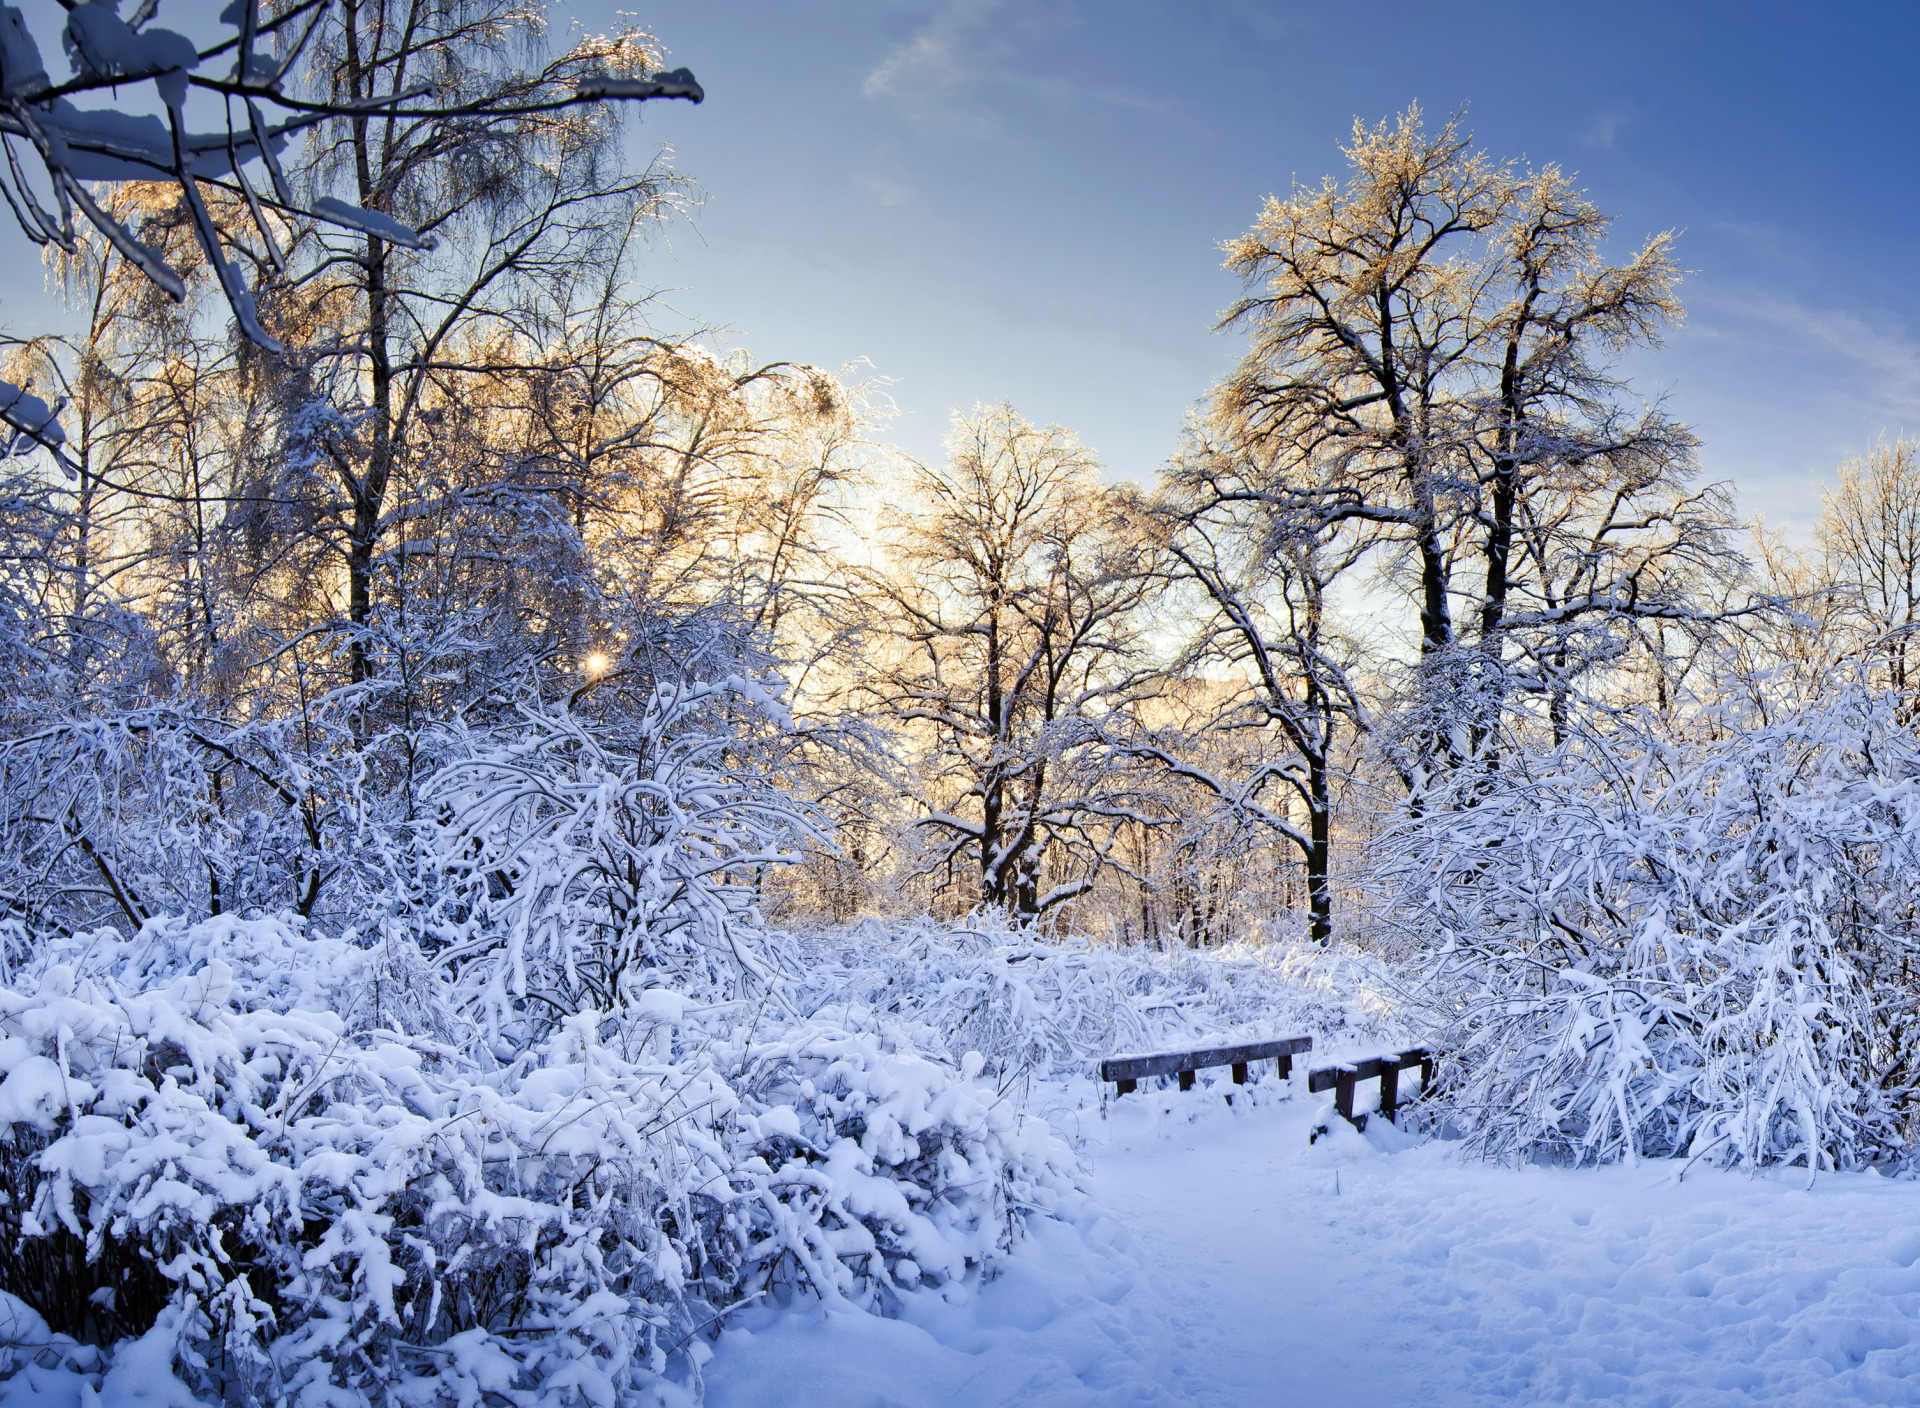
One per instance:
(1240, 1266)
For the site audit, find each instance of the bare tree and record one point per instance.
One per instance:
(516, 188)
(1285, 672)
(1868, 535)
(1427, 378)
(117, 376)
(1015, 605)
(410, 52)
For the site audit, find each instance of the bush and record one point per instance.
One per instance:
(1051, 1007)
(1703, 950)
(281, 1203)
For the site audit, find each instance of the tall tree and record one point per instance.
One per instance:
(1428, 378)
(1868, 534)
(506, 186)
(1284, 672)
(1016, 607)
(122, 376)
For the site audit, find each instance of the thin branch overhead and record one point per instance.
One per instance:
(45, 132)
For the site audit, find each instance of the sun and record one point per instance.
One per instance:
(595, 664)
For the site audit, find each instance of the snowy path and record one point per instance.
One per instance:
(1241, 1269)
(1276, 1306)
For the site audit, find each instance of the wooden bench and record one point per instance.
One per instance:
(1342, 1079)
(1128, 1071)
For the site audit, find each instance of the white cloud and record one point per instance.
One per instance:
(936, 62)
(1885, 358)
(972, 57)
(885, 192)
(1782, 387)
(1603, 129)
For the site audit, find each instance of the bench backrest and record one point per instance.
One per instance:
(1165, 1063)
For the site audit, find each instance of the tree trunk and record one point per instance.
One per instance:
(1319, 852)
(368, 490)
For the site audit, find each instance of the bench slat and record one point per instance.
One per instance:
(1164, 1063)
(1327, 1077)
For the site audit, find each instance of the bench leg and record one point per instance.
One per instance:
(1343, 1096)
(1186, 1080)
(1389, 1091)
(1126, 1087)
(1285, 1063)
(1426, 1076)
(1239, 1072)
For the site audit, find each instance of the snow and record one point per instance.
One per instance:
(673, 83)
(372, 221)
(1235, 1264)
(649, 1170)
(32, 420)
(1641, 946)
(102, 43)
(21, 70)
(866, 1222)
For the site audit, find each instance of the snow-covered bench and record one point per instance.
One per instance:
(1342, 1079)
(1128, 1071)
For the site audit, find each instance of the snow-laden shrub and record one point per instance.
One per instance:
(576, 875)
(157, 810)
(274, 1203)
(1706, 950)
(380, 979)
(1050, 1006)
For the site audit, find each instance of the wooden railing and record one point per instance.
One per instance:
(1128, 1071)
(1341, 1080)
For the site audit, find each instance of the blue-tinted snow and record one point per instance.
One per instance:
(1238, 1266)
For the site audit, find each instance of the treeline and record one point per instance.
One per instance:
(258, 603)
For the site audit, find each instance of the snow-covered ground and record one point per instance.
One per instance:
(1235, 1265)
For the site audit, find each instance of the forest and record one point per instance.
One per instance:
(523, 833)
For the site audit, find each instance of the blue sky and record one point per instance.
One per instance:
(1023, 199)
